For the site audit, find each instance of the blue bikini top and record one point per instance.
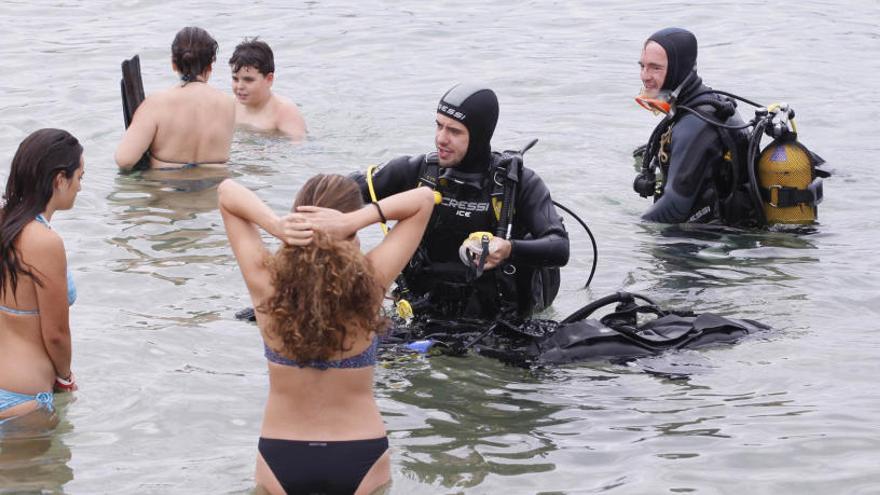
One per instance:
(362, 360)
(71, 287)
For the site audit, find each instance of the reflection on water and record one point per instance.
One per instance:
(174, 195)
(33, 455)
(688, 261)
(476, 419)
(157, 215)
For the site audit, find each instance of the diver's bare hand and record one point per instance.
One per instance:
(499, 251)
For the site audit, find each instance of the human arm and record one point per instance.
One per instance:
(243, 212)
(138, 137)
(693, 148)
(43, 252)
(398, 175)
(412, 210)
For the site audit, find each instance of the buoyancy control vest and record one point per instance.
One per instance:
(632, 330)
(436, 282)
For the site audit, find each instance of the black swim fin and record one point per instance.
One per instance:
(132, 86)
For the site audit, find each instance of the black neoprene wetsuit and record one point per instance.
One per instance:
(538, 240)
(696, 167)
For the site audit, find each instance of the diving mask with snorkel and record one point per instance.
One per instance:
(664, 101)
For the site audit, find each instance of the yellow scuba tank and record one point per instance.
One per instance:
(786, 168)
(789, 182)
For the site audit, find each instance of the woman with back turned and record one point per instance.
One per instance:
(318, 301)
(188, 125)
(35, 286)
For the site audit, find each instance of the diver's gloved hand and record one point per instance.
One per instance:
(483, 246)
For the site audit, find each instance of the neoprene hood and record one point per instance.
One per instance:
(476, 107)
(681, 52)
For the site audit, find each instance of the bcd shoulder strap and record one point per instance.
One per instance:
(429, 170)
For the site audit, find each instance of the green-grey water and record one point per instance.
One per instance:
(172, 387)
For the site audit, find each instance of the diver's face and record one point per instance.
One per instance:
(250, 86)
(452, 139)
(654, 65)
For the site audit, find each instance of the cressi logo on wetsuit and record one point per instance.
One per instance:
(465, 208)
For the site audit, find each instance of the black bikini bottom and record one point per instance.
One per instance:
(317, 467)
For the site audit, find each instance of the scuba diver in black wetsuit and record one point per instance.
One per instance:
(711, 167)
(494, 244)
(692, 154)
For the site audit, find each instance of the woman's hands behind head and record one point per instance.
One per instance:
(294, 229)
(333, 222)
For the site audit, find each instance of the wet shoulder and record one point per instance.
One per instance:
(37, 241)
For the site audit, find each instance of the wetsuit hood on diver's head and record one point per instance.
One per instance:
(476, 107)
(680, 46)
(681, 54)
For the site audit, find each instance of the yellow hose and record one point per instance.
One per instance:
(370, 170)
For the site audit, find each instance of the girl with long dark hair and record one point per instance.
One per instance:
(36, 289)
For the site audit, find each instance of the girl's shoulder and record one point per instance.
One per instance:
(37, 239)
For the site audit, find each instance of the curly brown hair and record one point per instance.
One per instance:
(326, 290)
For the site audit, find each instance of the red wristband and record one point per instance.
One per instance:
(65, 385)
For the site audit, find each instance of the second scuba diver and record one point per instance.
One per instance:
(703, 164)
(690, 152)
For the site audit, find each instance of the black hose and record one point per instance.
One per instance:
(754, 146)
(593, 306)
(725, 93)
(713, 121)
(592, 241)
(590, 308)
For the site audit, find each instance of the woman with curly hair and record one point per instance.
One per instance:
(318, 301)
(36, 289)
(188, 125)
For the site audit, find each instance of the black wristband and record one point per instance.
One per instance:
(381, 215)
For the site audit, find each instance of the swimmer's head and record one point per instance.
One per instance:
(252, 52)
(192, 53)
(330, 191)
(253, 72)
(43, 158)
(326, 289)
(48, 167)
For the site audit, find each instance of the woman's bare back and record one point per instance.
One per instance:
(194, 125)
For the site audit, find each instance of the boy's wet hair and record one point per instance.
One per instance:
(252, 52)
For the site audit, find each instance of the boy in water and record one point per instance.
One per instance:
(253, 72)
